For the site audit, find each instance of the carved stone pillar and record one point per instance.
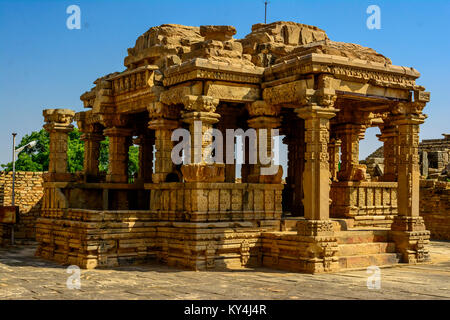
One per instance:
(163, 122)
(408, 228)
(317, 227)
(92, 142)
(408, 164)
(92, 136)
(316, 175)
(264, 118)
(294, 130)
(199, 113)
(389, 136)
(119, 144)
(333, 151)
(349, 135)
(58, 125)
(145, 141)
(228, 120)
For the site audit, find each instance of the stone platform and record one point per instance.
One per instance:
(105, 239)
(24, 276)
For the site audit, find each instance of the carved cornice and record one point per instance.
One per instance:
(342, 68)
(298, 94)
(204, 69)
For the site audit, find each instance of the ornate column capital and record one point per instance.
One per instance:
(58, 120)
(408, 113)
(263, 115)
(314, 111)
(262, 108)
(194, 103)
(203, 110)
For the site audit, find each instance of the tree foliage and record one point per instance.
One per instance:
(37, 157)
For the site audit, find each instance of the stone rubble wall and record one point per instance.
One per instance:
(29, 191)
(435, 208)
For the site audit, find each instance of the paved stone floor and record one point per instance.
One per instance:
(23, 276)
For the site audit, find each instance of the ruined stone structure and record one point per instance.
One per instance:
(434, 159)
(435, 207)
(321, 94)
(29, 191)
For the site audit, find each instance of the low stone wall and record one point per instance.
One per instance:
(435, 208)
(368, 203)
(28, 195)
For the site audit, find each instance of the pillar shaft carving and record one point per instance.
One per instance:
(316, 175)
(349, 135)
(145, 142)
(91, 152)
(200, 114)
(228, 120)
(333, 151)
(163, 122)
(119, 143)
(264, 116)
(408, 228)
(408, 163)
(294, 131)
(389, 136)
(92, 136)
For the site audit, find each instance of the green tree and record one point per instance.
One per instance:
(133, 160)
(75, 151)
(32, 159)
(37, 158)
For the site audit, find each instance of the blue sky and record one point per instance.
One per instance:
(45, 65)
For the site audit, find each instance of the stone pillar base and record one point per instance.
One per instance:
(411, 239)
(321, 254)
(274, 178)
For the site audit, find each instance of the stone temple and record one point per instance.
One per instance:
(322, 95)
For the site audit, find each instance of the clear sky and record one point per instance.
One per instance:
(43, 64)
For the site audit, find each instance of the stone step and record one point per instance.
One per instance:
(289, 224)
(354, 249)
(364, 261)
(342, 224)
(362, 236)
